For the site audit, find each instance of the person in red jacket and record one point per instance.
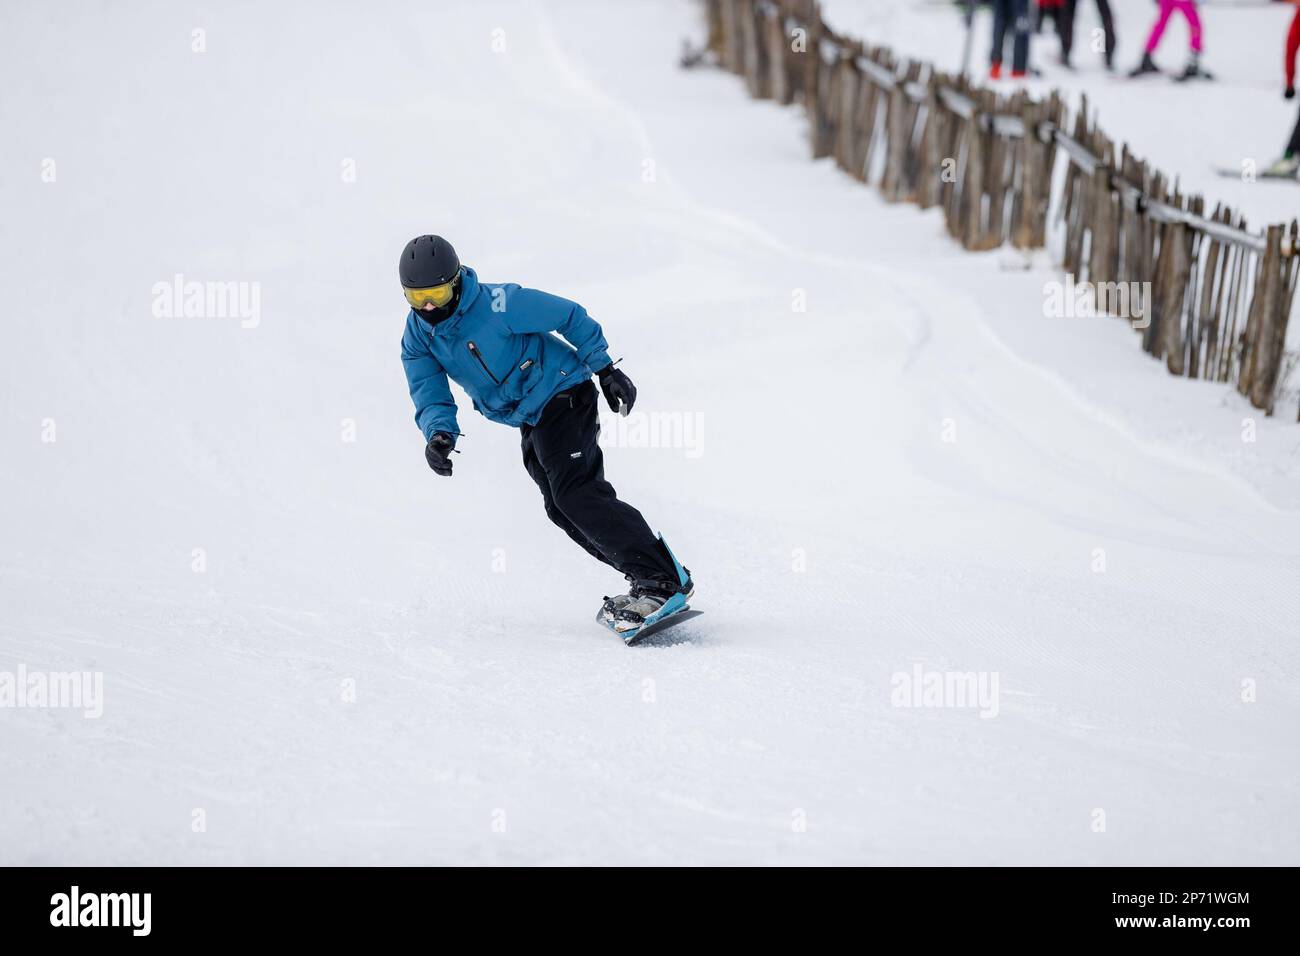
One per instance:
(1290, 161)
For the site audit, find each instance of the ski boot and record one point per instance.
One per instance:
(1144, 68)
(1193, 70)
(1287, 166)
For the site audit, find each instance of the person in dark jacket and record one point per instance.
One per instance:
(496, 342)
(1065, 27)
(1010, 15)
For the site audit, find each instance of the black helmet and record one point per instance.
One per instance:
(427, 263)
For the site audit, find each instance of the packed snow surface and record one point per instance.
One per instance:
(884, 465)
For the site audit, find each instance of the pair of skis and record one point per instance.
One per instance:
(1231, 173)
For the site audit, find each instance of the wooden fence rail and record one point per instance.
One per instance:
(1219, 295)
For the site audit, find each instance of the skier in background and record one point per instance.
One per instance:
(1167, 7)
(1289, 164)
(1013, 15)
(1053, 10)
(495, 341)
(1065, 27)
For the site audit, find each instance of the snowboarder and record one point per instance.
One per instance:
(494, 341)
(1167, 7)
(1013, 15)
(1290, 161)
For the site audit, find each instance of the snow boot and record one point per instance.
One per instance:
(651, 601)
(641, 604)
(1147, 65)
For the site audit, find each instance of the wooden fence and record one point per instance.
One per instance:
(1220, 295)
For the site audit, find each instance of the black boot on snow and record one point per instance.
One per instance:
(1193, 70)
(1147, 66)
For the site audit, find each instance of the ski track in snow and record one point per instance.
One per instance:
(493, 721)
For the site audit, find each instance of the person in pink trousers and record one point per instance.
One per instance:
(1167, 8)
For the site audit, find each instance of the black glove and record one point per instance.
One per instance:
(438, 453)
(1288, 93)
(617, 387)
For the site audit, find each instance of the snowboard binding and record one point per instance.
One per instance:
(629, 624)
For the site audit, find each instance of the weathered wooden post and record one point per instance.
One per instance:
(870, 110)
(1207, 318)
(1029, 182)
(972, 187)
(848, 137)
(773, 38)
(1103, 247)
(713, 19)
(930, 159)
(732, 50)
(892, 184)
(753, 52)
(1270, 331)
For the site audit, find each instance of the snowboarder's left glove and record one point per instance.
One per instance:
(1288, 93)
(438, 453)
(617, 387)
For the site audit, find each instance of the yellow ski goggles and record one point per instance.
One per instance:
(437, 296)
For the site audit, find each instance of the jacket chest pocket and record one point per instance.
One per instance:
(477, 354)
(505, 375)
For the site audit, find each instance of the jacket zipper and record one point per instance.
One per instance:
(473, 350)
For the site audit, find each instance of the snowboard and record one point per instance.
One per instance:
(654, 627)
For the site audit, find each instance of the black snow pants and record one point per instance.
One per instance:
(1293, 146)
(1011, 15)
(562, 455)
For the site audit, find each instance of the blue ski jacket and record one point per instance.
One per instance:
(497, 346)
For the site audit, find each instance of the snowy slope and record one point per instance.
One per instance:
(838, 539)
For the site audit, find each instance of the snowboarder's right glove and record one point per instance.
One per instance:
(1288, 93)
(438, 453)
(617, 387)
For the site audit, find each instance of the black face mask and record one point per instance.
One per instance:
(434, 316)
